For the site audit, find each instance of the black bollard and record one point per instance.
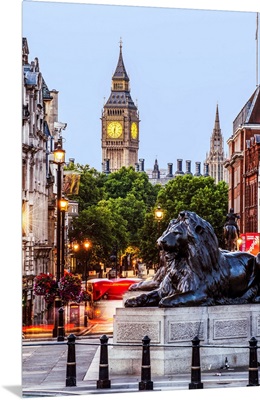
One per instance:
(85, 319)
(71, 362)
(146, 383)
(195, 365)
(103, 381)
(61, 330)
(253, 364)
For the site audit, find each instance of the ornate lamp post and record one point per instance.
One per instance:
(158, 214)
(59, 159)
(63, 208)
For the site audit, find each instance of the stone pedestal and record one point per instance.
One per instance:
(171, 330)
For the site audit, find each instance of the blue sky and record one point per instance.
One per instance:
(181, 63)
(157, 52)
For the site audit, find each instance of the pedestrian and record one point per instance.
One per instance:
(231, 219)
(147, 268)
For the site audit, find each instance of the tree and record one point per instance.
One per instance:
(133, 212)
(149, 234)
(91, 186)
(112, 209)
(199, 194)
(125, 181)
(103, 227)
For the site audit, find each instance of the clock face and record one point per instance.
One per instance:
(114, 129)
(134, 130)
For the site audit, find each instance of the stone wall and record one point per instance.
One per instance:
(171, 331)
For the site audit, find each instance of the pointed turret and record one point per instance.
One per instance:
(156, 171)
(120, 72)
(215, 157)
(217, 125)
(120, 93)
(120, 122)
(216, 147)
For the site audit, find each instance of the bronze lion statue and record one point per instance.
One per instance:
(199, 273)
(154, 282)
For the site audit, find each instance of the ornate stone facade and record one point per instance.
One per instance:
(39, 113)
(120, 123)
(243, 165)
(215, 158)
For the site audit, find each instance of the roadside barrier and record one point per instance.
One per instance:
(253, 364)
(103, 381)
(146, 383)
(71, 362)
(195, 365)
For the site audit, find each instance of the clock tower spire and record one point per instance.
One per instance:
(215, 159)
(120, 122)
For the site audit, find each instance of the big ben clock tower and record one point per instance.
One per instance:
(120, 122)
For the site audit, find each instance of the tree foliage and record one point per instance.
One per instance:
(117, 210)
(91, 186)
(128, 181)
(199, 194)
(103, 227)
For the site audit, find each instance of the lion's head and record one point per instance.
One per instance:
(191, 237)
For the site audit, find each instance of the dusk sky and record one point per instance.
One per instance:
(181, 63)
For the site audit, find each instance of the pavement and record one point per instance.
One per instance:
(44, 365)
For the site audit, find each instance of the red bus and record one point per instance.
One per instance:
(119, 287)
(111, 289)
(98, 288)
(106, 289)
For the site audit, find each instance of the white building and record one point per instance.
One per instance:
(39, 112)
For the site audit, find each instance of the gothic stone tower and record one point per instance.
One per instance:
(215, 159)
(120, 123)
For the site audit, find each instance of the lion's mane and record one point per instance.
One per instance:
(202, 259)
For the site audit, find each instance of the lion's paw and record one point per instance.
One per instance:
(134, 286)
(169, 301)
(136, 301)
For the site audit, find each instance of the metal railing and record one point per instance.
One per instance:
(145, 383)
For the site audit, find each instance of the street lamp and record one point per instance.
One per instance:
(75, 246)
(158, 213)
(86, 246)
(239, 242)
(83, 245)
(59, 159)
(63, 208)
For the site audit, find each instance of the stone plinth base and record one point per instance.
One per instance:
(171, 328)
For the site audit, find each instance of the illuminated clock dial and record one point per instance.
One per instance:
(134, 130)
(114, 129)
